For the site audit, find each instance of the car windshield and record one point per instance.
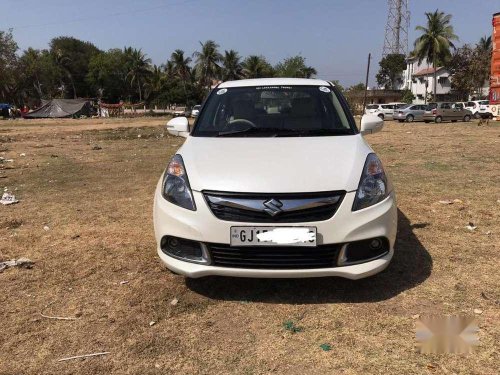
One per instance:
(273, 111)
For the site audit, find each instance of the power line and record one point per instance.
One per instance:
(106, 16)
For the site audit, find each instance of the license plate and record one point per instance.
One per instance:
(273, 236)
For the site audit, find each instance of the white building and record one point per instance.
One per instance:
(419, 79)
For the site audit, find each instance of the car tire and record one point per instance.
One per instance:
(466, 118)
(477, 115)
(401, 120)
(410, 118)
(381, 116)
(438, 120)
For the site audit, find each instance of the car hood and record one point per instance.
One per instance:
(278, 165)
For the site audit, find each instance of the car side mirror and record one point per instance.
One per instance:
(178, 126)
(371, 124)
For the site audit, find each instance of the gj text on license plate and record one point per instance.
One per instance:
(273, 236)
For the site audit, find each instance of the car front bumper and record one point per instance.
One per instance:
(345, 226)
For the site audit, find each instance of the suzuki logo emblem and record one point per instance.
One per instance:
(273, 207)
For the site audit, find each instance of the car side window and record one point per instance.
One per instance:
(445, 106)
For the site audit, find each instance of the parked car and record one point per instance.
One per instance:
(397, 105)
(181, 111)
(384, 111)
(479, 108)
(446, 111)
(275, 180)
(195, 111)
(410, 113)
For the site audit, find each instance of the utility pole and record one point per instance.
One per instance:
(366, 83)
(426, 85)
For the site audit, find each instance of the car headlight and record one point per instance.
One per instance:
(175, 187)
(374, 185)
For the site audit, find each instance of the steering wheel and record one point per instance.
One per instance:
(242, 121)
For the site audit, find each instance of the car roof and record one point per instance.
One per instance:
(274, 82)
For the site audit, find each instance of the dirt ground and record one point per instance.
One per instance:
(85, 218)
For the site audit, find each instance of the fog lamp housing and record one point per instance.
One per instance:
(186, 250)
(363, 251)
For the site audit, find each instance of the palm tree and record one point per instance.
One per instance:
(63, 62)
(436, 40)
(155, 82)
(485, 44)
(481, 63)
(138, 67)
(30, 62)
(256, 67)
(180, 68)
(207, 62)
(231, 66)
(169, 70)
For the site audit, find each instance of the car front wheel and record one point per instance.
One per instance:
(438, 120)
(466, 118)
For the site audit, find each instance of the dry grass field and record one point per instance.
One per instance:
(85, 219)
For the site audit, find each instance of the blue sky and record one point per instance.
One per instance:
(334, 35)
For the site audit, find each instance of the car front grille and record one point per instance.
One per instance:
(274, 257)
(274, 208)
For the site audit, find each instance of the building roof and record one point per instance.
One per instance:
(427, 71)
(274, 82)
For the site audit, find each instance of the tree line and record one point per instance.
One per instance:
(469, 65)
(72, 68)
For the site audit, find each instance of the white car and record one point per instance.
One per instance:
(275, 180)
(195, 111)
(479, 108)
(384, 111)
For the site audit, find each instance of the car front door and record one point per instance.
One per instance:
(445, 111)
(419, 112)
(458, 111)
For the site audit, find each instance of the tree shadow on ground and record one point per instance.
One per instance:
(410, 266)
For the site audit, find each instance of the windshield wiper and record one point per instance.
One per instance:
(313, 132)
(271, 132)
(286, 132)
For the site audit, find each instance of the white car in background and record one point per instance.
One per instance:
(275, 180)
(195, 111)
(479, 108)
(384, 111)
